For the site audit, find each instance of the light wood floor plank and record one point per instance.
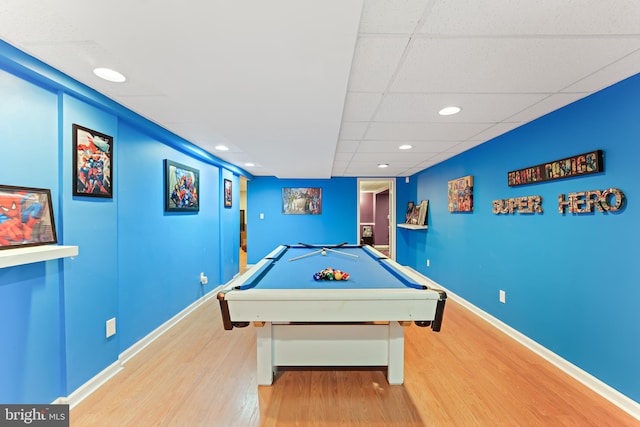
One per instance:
(469, 374)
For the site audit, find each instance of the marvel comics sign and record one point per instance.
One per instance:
(582, 164)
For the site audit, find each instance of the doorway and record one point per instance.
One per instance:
(376, 214)
(243, 224)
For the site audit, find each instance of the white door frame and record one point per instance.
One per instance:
(391, 185)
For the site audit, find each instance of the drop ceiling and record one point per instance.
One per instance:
(314, 89)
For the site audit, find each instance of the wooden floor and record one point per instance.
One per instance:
(469, 374)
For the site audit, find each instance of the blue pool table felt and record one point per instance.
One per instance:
(367, 271)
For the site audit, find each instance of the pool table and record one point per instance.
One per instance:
(301, 321)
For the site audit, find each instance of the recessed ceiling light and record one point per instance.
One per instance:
(405, 147)
(383, 165)
(249, 164)
(222, 148)
(447, 111)
(109, 75)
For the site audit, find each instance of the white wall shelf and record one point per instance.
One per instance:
(413, 226)
(20, 256)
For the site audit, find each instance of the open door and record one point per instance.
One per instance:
(376, 214)
(243, 224)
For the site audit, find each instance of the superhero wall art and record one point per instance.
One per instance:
(92, 156)
(460, 193)
(26, 217)
(182, 188)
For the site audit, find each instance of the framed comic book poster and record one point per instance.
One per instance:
(460, 193)
(302, 201)
(26, 217)
(227, 193)
(181, 187)
(92, 163)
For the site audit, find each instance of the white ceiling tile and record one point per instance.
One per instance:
(360, 106)
(391, 16)
(415, 170)
(347, 146)
(374, 161)
(339, 168)
(392, 146)
(375, 60)
(343, 157)
(505, 65)
(613, 73)
(463, 146)
(438, 158)
(424, 131)
(353, 130)
(374, 171)
(545, 17)
(276, 68)
(336, 82)
(495, 131)
(420, 107)
(549, 104)
(384, 157)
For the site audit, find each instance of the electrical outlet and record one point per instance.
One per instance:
(111, 327)
(203, 279)
(503, 297)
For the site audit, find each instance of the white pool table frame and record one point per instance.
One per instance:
(331, 327)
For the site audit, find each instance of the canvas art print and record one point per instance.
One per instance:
(26, 217)
(461, 194)
(410, 207)
(417, 214)
(92, 159)
(302, 201)
(182, 188)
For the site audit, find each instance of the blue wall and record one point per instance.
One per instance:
(31, 319)
(570, 279)
(230, 227)
(136, 262)
(90, 279)
(337, 223)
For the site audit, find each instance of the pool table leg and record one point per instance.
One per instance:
(264, 346)
(395, 370)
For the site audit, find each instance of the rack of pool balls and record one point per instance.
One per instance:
(331, 274)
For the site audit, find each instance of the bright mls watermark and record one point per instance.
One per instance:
(34, 415)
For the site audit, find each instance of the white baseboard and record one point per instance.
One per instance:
(614, 396)
(136, 348)
(623, 402)
(92, 385)
(96, 382)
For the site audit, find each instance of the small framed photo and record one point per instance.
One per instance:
(26, 217)
(181, 188)
(227, 193)
(92, 163)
